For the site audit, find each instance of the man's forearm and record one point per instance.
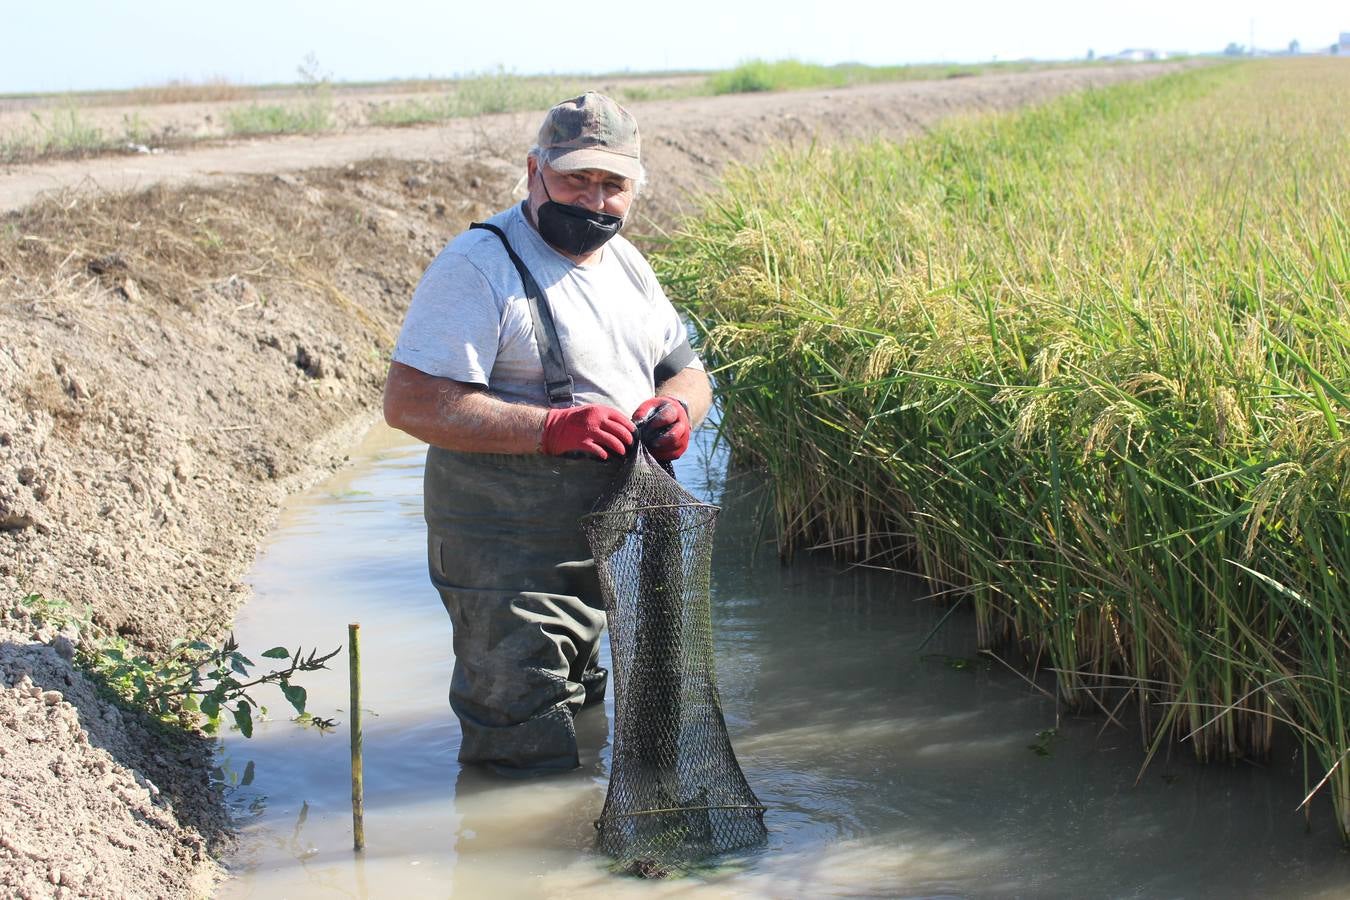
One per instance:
(458, 416)
(465, 417)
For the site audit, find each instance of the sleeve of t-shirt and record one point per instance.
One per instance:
(454, 323)
(675, 339)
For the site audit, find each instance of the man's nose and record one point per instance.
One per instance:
(592, 196)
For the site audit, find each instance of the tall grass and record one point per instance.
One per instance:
(181, 90)
(791, 74)
(273, 118)
(314, 112)
(1088, 367)
(476, 96)
(501, 92)
(61, 132)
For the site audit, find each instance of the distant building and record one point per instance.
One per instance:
(1139, 55)
(1344, 45)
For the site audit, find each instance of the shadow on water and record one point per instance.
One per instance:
(887, 771)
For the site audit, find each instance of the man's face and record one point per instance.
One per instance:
(593, 189)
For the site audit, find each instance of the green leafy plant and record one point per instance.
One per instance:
(198, 678)
(57, 613)
(195, 683)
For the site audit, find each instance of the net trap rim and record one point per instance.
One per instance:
(679, 809)
(710, 510)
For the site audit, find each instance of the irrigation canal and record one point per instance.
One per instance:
(887, 772)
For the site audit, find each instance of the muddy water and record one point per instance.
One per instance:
(888, 772)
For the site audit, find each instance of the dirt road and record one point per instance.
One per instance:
(175, 360)
(685, 141)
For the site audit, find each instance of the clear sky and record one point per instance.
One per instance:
(58, 45)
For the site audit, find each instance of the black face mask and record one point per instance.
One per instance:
(574, 230)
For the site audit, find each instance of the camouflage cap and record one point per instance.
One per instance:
(590, 132)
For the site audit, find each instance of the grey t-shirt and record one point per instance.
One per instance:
(470, 320)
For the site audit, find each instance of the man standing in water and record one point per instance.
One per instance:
(533, 345)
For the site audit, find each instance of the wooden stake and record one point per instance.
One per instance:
(358, 782)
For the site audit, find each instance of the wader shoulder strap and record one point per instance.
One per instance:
(556, 380)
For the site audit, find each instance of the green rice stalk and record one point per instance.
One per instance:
(1089, 364)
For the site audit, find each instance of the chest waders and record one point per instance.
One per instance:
(515, 574)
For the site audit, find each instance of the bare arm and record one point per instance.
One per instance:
(460, 416)
(693, 387)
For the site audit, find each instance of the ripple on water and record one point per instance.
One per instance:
(887, 771)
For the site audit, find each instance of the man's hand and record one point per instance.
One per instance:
(664, 425)
(591, 429)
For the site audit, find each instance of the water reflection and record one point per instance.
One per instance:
(887, 771)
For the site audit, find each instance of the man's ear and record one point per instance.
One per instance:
(522, 189)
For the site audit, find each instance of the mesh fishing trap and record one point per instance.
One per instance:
(676, 795)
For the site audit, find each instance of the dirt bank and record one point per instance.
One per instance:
(176, 360)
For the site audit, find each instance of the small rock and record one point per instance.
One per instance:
(51, 698)
(183, 465)
(104, 265)
(240, 291)
(310, 363)
(64, 647)
(15, 521)
(131, 291)
(74, 388)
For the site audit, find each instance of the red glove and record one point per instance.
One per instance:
(664, 426)
(592, 430)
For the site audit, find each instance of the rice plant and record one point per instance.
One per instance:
(791, 74)
(1088, 368)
